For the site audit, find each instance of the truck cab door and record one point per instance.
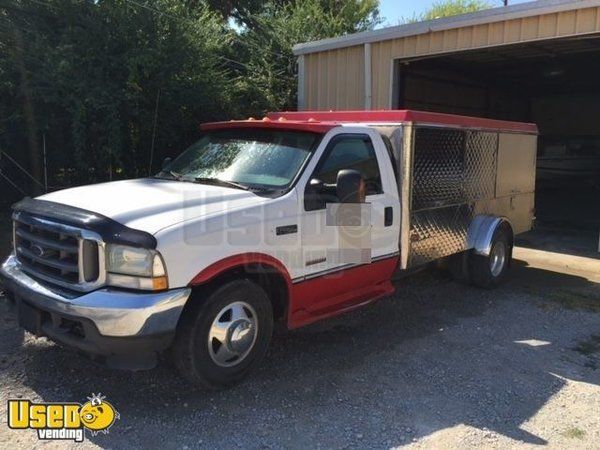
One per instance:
(338, 281)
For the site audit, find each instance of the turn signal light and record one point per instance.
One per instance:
(159, 283)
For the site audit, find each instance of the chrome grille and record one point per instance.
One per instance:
(57, 253)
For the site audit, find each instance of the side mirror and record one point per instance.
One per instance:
(166, 162)
(316, 186)
(317, 194)
(350, 186)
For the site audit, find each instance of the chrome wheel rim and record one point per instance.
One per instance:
(497, 258)
(232, 334)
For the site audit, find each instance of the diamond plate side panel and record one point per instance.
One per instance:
(480, 165)
(452, 169)
(437, 167)
(440, 232)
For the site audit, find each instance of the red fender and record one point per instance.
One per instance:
(321, 297)
(240, 260)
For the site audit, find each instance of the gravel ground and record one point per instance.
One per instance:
(439, 365)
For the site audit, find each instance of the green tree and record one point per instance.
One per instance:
(268, 80)
(88, 74)
(240, 10)
(245, 11)
(449, 8)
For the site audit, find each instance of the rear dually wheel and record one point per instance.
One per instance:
(491, 270)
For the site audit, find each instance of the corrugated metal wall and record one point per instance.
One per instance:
(334, 79)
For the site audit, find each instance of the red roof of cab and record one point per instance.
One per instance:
(406, 115)
(281, 124)
(322, 121)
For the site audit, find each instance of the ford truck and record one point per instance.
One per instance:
(284, 220)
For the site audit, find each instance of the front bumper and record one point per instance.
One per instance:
(128, 328)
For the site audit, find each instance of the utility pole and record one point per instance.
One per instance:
(154, 132)
(45, 165)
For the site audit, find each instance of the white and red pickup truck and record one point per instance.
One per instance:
(289, 219)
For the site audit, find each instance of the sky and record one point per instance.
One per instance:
(395, 10)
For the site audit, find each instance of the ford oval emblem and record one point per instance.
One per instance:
(37, 250)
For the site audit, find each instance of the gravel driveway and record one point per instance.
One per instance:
(438, 365)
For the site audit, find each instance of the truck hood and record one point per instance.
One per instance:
(150, 204)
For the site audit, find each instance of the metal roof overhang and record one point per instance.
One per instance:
(505, 13)
(514, 54)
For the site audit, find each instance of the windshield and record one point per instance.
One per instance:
(250, 158)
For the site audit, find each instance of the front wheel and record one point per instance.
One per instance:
(489, 271)
(223, 337)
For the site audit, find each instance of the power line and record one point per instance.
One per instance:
(21, 167)
(171, 16)
(180, 19)
(9, 181)
(149, 8)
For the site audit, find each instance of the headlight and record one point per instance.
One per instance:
(135, 268)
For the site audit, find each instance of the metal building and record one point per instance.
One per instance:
(535, 62)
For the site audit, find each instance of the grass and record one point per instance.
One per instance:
(573, 433)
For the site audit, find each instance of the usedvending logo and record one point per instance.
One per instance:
(63, 420)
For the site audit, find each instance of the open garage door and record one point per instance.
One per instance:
(554, 83)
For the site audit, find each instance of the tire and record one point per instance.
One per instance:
(490, 271)
(458, 266)
(221, 338)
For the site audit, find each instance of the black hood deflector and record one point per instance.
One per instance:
(110, 230)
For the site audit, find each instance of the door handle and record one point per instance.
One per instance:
(388, 214)
(286, 229)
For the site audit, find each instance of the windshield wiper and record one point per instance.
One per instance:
(218, 181)
(176, 175)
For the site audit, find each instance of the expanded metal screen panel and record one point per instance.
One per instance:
(452, 169)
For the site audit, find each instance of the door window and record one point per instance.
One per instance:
(351, 152)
